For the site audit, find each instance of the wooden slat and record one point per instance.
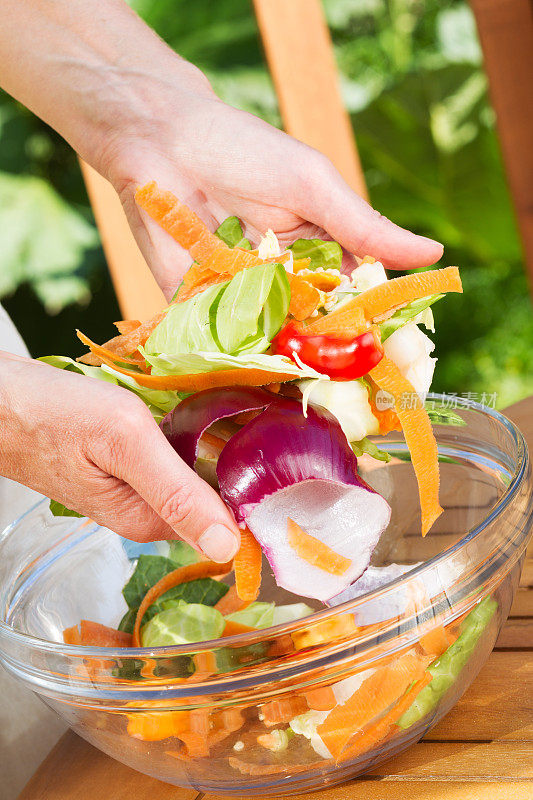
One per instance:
(138, 294)
(75, 770)
(497, 706)
(368, 789)
(438, 760)
(506, 33)
(522, 603)
(526, 579)
(302, 64)
(517, 634)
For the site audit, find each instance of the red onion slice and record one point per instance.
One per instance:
(184, 426)
(283, 465)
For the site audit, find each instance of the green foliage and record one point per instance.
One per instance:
(148, 571)
(413, 82)
(323, 255)
(59, 510)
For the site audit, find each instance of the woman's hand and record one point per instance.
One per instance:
(96, 448)
(225, 162)
(137, 112)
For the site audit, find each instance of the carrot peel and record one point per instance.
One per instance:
(418, 434)
(202, 569)
(248, 567)
(315, 552)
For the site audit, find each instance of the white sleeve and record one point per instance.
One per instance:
(10, 339)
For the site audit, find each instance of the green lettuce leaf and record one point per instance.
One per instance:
(189, 363)
(231, 232)
(325, 255)
(256, 615)
(149, 570)
(59, 510)
(235, 317)
(183, 623)
(443, 416)
(182, 554)
(406, 314)
(263, 615)
(367, 446)
(188, 327)
(291, 612)
(260, 292)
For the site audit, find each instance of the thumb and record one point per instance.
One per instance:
(188, 505)
(359, 228)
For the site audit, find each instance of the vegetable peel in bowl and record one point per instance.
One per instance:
(304, 351)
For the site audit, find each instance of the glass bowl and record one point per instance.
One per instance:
(309, 703)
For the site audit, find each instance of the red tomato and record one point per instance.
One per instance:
(341, 359)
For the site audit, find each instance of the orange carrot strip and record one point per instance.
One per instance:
(351, 323)
(197, 274)
(109, 354)
(314, 551)
(418, 434)
(399, 291)
(72, 635)
(387, 417)
(231, 602)
(154, 726)
(205, 665)
(373, 697)
(186, 292)
(375, 733)
(196, 743)
(194, 382)
(324, 281)
(284, 709)
(125, 326)
(248, 567)
(300, 263)
(202, 569)
(321, 699)
(304, 297)
(436, 641)
(233, 628)
(128, 343)
(191, 232)
(93, 634)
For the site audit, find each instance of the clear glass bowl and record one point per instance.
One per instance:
(202, 716)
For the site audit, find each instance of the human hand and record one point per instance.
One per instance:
(223, 162)
(138, 112)
(96, 448)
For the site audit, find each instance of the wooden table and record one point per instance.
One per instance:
(482, 750)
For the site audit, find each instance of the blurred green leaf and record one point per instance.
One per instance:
(43, 239)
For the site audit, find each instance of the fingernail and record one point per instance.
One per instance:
(218, 543)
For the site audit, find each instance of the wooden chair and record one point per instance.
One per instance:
(301, 60)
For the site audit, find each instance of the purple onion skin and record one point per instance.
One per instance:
(281, 447)
(184, 426)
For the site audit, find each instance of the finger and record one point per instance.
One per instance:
(117, 506)
(142, 458)
(331, 204)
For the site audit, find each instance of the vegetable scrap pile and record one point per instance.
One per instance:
(177, 599)
(284, 350)
(267, 373)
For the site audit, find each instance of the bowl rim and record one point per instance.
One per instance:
(382, 591)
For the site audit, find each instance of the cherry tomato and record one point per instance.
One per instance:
(341, 359)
